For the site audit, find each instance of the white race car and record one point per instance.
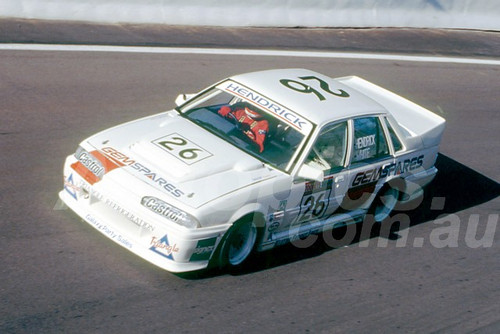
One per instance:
(253, 162)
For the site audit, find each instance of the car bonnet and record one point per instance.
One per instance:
(177, 157)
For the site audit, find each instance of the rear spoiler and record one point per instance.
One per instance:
(416, 120)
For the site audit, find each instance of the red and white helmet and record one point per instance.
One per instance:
(252, 114)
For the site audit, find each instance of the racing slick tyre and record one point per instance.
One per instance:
(238, 244)
(386, 200)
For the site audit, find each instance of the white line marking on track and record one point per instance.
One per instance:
(246, 52)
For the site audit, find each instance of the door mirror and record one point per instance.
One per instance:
(310, 173)
(183, 98)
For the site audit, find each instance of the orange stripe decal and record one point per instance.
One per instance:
(84, 172)
(107, 163)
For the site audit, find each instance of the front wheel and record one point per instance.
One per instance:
(385, 202)
(238, 244)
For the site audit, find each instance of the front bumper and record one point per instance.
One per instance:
(161, 243)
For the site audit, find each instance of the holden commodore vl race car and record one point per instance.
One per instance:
(255, 161)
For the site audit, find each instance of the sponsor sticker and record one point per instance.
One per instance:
(120, 160)
(162, 208)
(162, 247)
(396, 168)
(90, 162)
(70, 187)
(129, 215)
(270, 106)
(203, 250)
(119, 208)
(109, 232)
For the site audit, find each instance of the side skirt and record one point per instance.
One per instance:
(311, 227)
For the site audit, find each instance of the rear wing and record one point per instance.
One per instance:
(416, 120)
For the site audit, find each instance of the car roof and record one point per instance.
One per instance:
(272, 84)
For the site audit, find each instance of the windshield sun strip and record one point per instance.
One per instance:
(268, 105)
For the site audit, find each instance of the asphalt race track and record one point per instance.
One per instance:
(58, 274)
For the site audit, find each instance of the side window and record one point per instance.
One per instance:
(329, 149)
(394, 138)
(369, 139)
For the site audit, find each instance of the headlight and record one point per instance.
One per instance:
(169, 211)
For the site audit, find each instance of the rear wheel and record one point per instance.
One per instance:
(238, 244)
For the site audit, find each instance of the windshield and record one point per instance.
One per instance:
(263, 134)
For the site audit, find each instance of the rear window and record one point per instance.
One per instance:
(394, 138)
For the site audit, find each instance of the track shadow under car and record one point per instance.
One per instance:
(455, 188)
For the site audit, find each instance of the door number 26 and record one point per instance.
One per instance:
(314, 206)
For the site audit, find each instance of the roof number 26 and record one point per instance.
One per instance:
(304, 88)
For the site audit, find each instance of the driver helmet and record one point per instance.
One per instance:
(252, 114)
